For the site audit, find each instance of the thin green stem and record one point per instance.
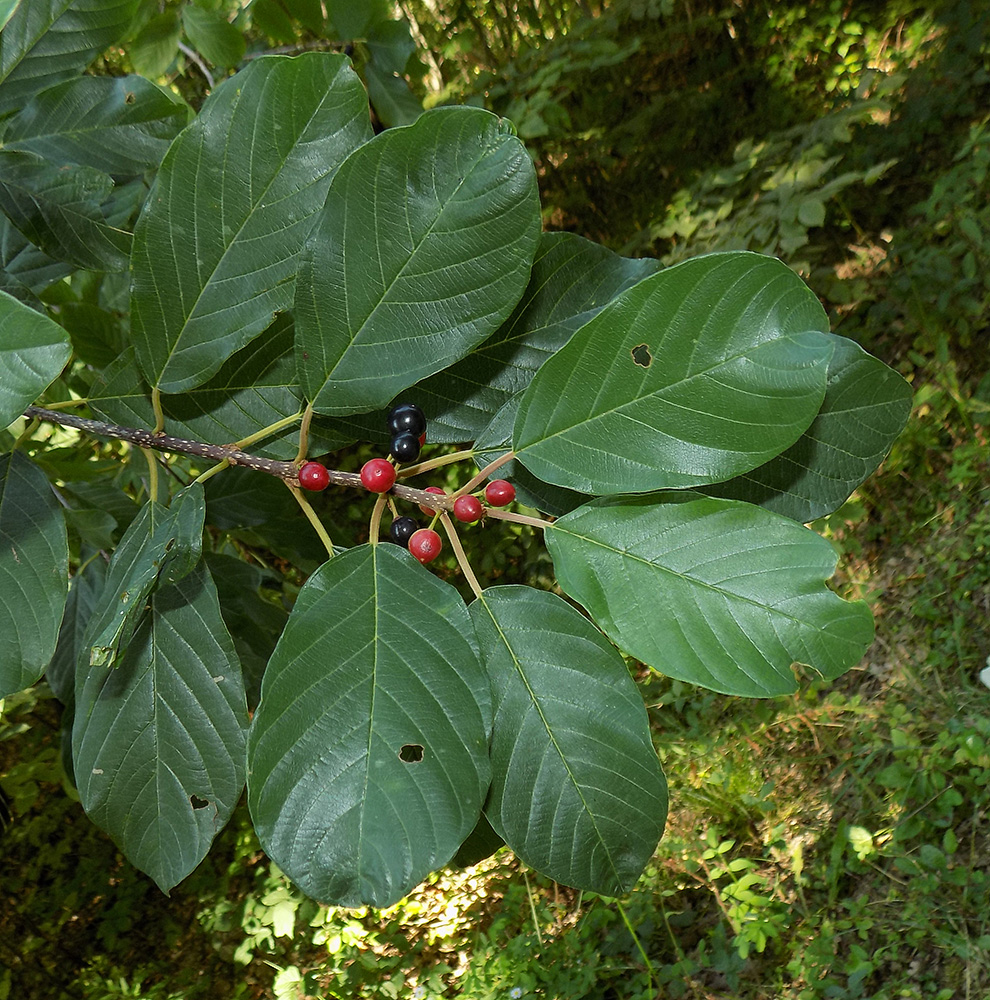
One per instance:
(375, 524)
(307, 418)
(462, 559)
(532, 909)
(66, 403)
(156, 406)
(268, 431)
(311, 517)
(152, 473)
(509, 515)
(638, 943)
(435, 463)
(212, 471)
(483, 475)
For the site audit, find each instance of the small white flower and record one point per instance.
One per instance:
(515, 992)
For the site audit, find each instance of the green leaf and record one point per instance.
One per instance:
(159, 542)
(253, 621)
(213, 36)
(577, 789)
(120, 125)
(482, 842)
(453, 206)
(154, 48)
(33, 351)
(269, 17)
(215, 249)
(352, 20)
(391, 44)
(60, 209)
(47, 41)
(695, 375)
(34, 572)
(571, 281)
(84, 590)
(24, 270)
(368, 755)
(866, 407)
(7, 8)
(253, 390)
(158, 742)
(716, 592)
(309, 13)
(393, 101)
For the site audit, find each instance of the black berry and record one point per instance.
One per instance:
(401, 530)
(405, 447)
(406, 418)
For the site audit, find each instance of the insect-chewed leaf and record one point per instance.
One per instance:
(158, 742)
(716, 592)
(577, 789)
(121, 125)
(34, 572)
(696, 374)
(368, 755)
(46, 41)
(216, 246)
(33, 350)
(866, 406)
(424, 248)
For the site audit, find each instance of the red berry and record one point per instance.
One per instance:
(314, 476)
(378, 475)
(499, 493)
(431, 489)
(468, 508)
(425, 545)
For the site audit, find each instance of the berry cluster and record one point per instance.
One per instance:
(407, 426)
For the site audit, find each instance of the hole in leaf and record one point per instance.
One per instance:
(198, 803)
(411, 753)
(641, 355)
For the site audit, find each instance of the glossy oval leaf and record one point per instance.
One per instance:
(63, 210)
(33, 351)
(368, 755)
(697, 374)
(716, 592)
(423, 250)
(865, 408)
(213, 36)
(34, 572)
(158, 741)
(121, 125)
(215, 249)
(47, 41)
(577, 789)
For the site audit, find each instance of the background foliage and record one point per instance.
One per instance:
(827, 844)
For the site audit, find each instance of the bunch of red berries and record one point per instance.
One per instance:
(407, 426)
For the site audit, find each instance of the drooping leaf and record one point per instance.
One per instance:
(34, 571)
(577, 789)
(256, 388)
(353, 20)
(120, 125)
(158, 742)
(716, 592)
(215, 249)
(452, 206)
(61, 210)
(368, 755)
(695, 375)
(160, 541)
(33, 350)
(866, 406)
(47, 41)
(571, 281)
(482, 842)
(213, 36)
(393, 101)
(270, 18)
